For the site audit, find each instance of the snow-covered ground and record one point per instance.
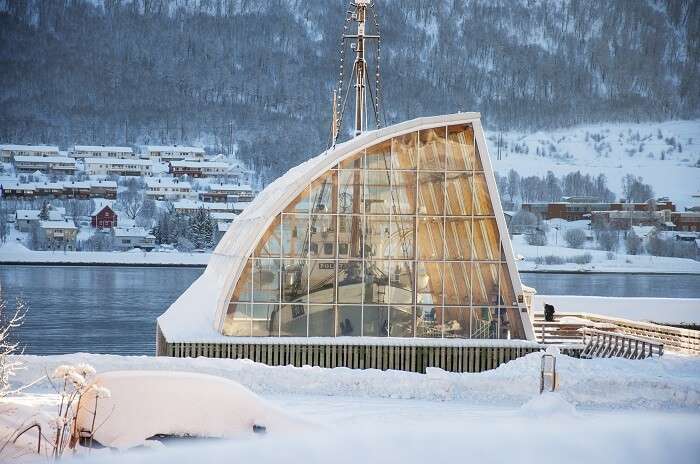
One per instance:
(613, 149)
(14, 252)
(606, 410)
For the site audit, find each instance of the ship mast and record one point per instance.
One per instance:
(357, 12)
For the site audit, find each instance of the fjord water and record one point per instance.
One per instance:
(105, 309)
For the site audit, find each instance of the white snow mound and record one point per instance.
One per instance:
(147, 403)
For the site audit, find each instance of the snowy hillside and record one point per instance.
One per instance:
(666, 155)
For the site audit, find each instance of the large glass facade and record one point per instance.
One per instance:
(398, 240)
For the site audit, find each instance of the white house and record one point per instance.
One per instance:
(48, 164)
(58, 235)
(174, 153)
(120, 167)
(101, 151)
(127, 238)
(190, 206)
(166, 188)
(199, 168)
(8, 152)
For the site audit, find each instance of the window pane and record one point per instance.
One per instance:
(294, 280)
(485, 284)
(430, 238)
(458, 238)
(244, 286)
(350, 192)
(401, 321)
(322, 233)
(403, 192)
(432, 149)
(349, 321)
(266, 280)
(237, 322)
(431, 193)
(322, 281)
(461, 152)
(456, 322)
(405, 151)
(350, 236)
(321, 320)
(295, 235)
(293, 322)
(482, 201)
(379, 156)
(429, 283)
(376, 282)
(459, 194)
(349, 281)
(270, 245)
(300, 204)
(458, 283)
(506, 288)
(377, 192)
(264, 320)
(402, 233)
(484, 322)
(511, 323)
(401, 282)
(324, 193)
(486, 240)
(428, 322)
(353, 162)
(377, 236)
(375, 321)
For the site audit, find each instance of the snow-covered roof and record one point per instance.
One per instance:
(220, 216)
(57, 225)
(27, 214)
(76, 185)
(195, 204)
(100, 205)
(230, 188)
(119, 162)
(166, 182)
(35, 148)
(101, 148)
(222, 226)
(103, 183)
(198, 313)
(45, 159)
(174, 149)
(131, 232)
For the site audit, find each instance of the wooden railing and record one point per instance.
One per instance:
(603, 344)
(673, 338)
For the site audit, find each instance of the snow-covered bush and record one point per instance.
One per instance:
(537, 238)
(633, 243)
(608, 239)
(9, 322)
(575, 237)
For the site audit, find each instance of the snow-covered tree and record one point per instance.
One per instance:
(575, 237)
(202, 229)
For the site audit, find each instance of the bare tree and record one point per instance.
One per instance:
(9, 323)
(575, 237)
(131, 200)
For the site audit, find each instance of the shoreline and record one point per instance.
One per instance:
(70, 263)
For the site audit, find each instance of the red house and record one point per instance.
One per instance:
(103, 218)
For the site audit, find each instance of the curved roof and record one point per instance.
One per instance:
(200, 310)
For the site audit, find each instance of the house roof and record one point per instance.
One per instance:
(174, 148)
(67, 225)
(102, 148)
(35, 148)
(131, 232)
(166, 182)
(100, 206)
(45, 159)
(120, 162)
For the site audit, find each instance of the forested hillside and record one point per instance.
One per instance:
(259, 73)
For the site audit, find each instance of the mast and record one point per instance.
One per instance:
(357, 12)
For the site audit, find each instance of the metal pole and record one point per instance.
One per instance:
(360, 91)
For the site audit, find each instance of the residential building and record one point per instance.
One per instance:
(228, 193)
(626, 219)
(687, 221)
(8, 152)
(199, 168)
(103, 189)
(167, 188)
(101, 151)
(127, 238)
(103, 217)
(69, 189)
(119, 167)
(174, 153)
(223, 218)
(190, 206)
(47, 164)
(578, 210)
(58, 235)
(25, 219)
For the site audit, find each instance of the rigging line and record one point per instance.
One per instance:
(374, 106)
(345, 100)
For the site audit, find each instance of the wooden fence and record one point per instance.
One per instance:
(603, 344)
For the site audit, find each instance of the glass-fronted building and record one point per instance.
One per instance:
(398, 233)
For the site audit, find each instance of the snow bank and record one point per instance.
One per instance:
(146, 403)
(659, 310)
(655, 383)
(18, 253)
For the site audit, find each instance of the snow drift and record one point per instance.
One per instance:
(147, 403)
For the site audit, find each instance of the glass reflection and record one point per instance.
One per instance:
(484, 323)
(349, 321)
(405, 151)
(295, 235)
(431, 238)
(295, 284)
(263, 320)
(459, 194)
(431, 153)
(457, 322)
(324, 193)
(376, 280)
(322, 281)
(428, 322)
(350, 192)
(401, 321)
(293, 320)
(401, 244)
(321, 320)
(350, 278)
(403, 198)
(237, 322)
(482, 201)
(429, 282)
(458, 283)
(377, 192)
(375, 321)
(270, 244)
(379, 156)
(431, 193)
(461, 150)
(378, 237)
(350, 236)
(266, 283)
